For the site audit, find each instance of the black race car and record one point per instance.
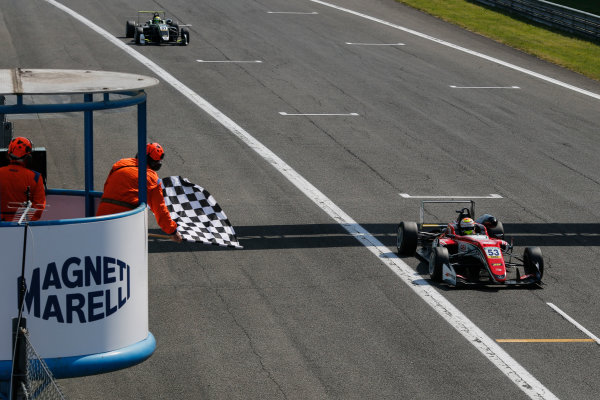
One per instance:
(158, 30)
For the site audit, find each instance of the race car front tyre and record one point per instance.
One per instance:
(439, 256)
(407, 238)
(533, 262)
(139, 32)
(185, 37)
(130, 29)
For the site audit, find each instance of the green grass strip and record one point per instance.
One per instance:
(576, 54)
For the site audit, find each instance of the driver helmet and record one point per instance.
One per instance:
(156, 18)
(467, 226)
(19, 148)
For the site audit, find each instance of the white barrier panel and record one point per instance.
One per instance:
(87, 285)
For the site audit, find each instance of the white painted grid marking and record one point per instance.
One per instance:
(484, 87)
(229, 61)
(375, 44)
(491, 196)
(317, 114)
(577, 324)
(491, 350)
(292, 12)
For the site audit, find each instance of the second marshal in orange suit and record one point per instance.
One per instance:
(121, 189)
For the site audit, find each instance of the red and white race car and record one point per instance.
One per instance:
(481, 257)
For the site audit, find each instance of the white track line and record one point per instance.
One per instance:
(491, 196)
(375, 44)
(292, 12)
(577, 324)
(342, 115)
(488, 347)
(463, 49)
(230, 61)
(484, 87)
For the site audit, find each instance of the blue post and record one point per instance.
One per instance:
(142, 182)
(88, 122)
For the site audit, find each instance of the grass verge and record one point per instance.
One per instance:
(576, 54)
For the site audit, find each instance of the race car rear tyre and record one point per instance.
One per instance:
(185, 37)
(407, 238)
(439, 256)
(533, 262)
(130, 29)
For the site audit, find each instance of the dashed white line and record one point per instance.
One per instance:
(320, 114)
(491, 196)
(484, 87)
(375, 44)
(292, 12)
(230, 61)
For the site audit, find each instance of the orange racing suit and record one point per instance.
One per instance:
(121, 193)
(15, 178)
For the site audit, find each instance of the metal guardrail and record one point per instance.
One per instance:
(553, 15)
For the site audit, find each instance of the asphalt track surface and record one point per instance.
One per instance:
(306, 311)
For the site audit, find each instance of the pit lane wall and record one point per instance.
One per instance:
(87, 292)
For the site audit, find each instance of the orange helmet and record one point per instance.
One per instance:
(155, 151)
(19, 148)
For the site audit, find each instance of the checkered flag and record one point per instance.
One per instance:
(199, 218)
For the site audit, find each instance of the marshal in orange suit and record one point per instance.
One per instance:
(121, 189)
(19, 184)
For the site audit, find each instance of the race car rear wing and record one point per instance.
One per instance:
(162, 16)
(423, 224)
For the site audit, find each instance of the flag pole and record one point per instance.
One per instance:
(159, 236)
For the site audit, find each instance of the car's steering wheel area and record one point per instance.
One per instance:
(463, 213)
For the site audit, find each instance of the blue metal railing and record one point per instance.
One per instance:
(88, 106)
(553, 15)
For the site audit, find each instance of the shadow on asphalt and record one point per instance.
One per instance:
(311, 236)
